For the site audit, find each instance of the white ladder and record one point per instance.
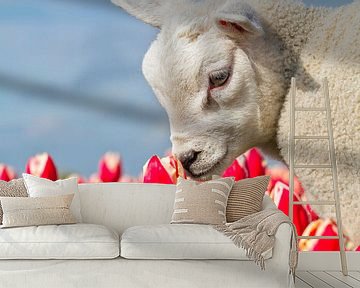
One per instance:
(292, 138)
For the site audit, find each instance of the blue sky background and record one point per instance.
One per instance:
(71, 85)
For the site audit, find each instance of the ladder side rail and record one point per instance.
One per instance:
(292, 147)
(335, 179)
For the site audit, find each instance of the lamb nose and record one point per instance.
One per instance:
(188, 158)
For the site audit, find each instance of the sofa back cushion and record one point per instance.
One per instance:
(122, 205)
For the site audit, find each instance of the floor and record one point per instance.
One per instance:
(327, 279)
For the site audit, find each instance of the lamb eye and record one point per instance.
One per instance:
(218, 78)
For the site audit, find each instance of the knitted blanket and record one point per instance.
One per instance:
(256, 234)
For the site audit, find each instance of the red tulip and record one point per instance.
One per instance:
(165, 170)
(173, 167)
(7, 173)
(110, 167)
(324, 227)
(238, 169)
(358, 248)
(42, 165)
(281, 173)
(320, 227)
(280, 195)
(255, 163)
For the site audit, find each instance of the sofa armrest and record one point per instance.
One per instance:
(279, 263)
(281, 255)
(282, 238)
(281, 250)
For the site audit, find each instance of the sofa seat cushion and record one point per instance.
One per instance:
(74, 241)
(180, 241)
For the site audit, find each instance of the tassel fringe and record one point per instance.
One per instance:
(258, 233)
(240, 243)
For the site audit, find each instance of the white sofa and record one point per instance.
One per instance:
(119, 206)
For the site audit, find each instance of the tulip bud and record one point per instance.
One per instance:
(174, 167)
(42, 165)
(7, 173)
(255, 163)
(110, 167)
(320, 227)
(155, 172)
(280, 194)
(281, 173)
(237, 169)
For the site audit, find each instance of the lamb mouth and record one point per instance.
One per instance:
(205, 172)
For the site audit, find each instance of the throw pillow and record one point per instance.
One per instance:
(246, 197)
(13, 188)
(41, 187)
(201, 202)
(27, 211)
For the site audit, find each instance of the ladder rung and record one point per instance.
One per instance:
(318, 237)
(313, 166)
(311, 137)
(310, 109)
(314, 202)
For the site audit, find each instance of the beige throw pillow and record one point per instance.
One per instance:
(13, 188)
(28, 211)
(201, 203)
(41, 187)
(246, 197)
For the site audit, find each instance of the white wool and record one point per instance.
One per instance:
(332, 51)
(288, 39)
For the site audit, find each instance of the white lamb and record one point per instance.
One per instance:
(222, 69)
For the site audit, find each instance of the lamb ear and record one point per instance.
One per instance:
(238, 18)
(145, 10)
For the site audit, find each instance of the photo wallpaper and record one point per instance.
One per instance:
(74, 102)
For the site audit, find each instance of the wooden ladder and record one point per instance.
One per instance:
(332, 166)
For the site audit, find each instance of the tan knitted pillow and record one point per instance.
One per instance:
(246, 197)
(13, 188)
(29, 211)
(201, 203)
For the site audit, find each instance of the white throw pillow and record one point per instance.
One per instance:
(180, 241)
(41, 187)
(73, 241)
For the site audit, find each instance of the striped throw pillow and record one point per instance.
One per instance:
(246, 197)
(30, 211)
(201, 202)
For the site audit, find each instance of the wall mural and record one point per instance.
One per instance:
(80, 75)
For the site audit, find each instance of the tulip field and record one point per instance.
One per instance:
(166, 170)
